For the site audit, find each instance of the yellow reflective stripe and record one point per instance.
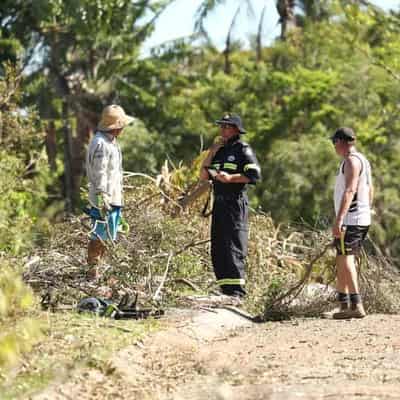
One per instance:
(215, 166)
(229, 165)
(238, 281)
(342, 243)
(251, 166)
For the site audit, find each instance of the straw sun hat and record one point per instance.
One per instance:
(114, 117)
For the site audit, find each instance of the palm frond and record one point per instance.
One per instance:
(204, 10)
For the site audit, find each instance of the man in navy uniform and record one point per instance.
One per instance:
(231, 164)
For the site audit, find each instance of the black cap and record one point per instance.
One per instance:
(230, 119)
(344, 133)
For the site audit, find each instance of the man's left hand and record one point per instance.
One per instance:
(123, 226)
(103, 205)
(223, 177)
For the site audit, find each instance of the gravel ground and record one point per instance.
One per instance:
(217, 355)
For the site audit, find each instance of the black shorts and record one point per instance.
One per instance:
(351, 242)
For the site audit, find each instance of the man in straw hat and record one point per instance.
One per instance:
(104, 172)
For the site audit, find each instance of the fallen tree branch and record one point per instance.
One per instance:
(200, 189)
(156, 295)
(128, 174)
(188, 283)
(299, 286)
(191, 244)
(183, 249)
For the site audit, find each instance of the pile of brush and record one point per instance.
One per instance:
(166, 257)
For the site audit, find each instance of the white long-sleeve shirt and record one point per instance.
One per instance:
(104, 169)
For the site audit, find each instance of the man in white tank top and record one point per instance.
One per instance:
(353, 198)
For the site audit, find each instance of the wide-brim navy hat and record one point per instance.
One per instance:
(234, 120)
(344, 133)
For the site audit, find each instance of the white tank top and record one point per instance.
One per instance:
(360, 211)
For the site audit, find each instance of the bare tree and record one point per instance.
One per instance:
(205, 9)
(228, 43)
(259, 35)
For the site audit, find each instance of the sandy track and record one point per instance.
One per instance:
(219, 355)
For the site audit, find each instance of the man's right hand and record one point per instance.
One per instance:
(103, 205)
(212, 150)
(215, 147)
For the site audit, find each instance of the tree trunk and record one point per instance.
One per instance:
(51, 145)
(227, 62)
(259, 36)
(228, 44)
(85, 125)
(287, 18)
(68, 182)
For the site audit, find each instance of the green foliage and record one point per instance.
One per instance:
(342, 68)
(71, 340)
(276, 287)
(19, 332)
(140, 148)
(22, 200)
(24, 177)
(77, 53)
(297, 180)
(24, 173)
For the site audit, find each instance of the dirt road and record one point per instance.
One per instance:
(217, 355)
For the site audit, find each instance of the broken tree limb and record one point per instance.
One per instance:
(188, 283)
(182, 249)
(156, 295)
(133, 174)
(191, 244)
(201, 188)
(299, 286)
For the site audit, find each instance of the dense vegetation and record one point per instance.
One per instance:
(335, 64)
(23, 178)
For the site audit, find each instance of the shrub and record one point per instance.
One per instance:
(18, 331)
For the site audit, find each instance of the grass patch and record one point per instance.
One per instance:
(71, 341)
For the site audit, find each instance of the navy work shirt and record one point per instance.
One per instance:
(235, 157)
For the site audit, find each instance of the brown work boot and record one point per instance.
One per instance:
(342, 308)
(354, 311)
(96, 250)
(357, 311)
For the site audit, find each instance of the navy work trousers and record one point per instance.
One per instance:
(229, 237)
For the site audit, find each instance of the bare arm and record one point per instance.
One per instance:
(234, 178)
(207, 161)
(352, 170)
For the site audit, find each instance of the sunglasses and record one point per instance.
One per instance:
(226, 126)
